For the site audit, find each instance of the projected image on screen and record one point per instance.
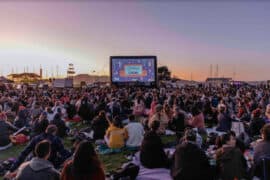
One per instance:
(133, 69)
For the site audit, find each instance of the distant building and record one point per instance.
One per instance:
(218, 81)
(84, 79)
(4, 80)
(24, 77)
(62, 83)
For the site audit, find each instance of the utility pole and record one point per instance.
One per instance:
(211, 71)
(57, 71)
(46, 73)
(216, 71)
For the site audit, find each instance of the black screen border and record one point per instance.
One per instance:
(154, 83)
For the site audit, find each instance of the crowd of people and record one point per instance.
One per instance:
(221, 132)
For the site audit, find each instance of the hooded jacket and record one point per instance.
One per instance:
(57, 149)
(37, 169)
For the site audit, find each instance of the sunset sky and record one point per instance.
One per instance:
(185, 36)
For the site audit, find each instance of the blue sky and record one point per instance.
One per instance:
(186, 36)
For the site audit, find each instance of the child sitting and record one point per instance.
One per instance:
(115, 135)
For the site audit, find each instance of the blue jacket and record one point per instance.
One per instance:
(57, 147)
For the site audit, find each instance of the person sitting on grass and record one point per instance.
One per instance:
(50, 114)
(177, 124)
(262, 148)
(152, 159)
(161, 117)
(154, 127)
(22, 119)
(231, 163)
(267, 114)
(256, 123)
(190, 161)
(58, 153)
(5, 128)
(99, 125)
(115, 135)
(39, 168)
(198, 118)
(60, 124)
(85, 164)
(39, 125)
(262, 153)
(135, 133)
(224, 120)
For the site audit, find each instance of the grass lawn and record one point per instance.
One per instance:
(111, 162)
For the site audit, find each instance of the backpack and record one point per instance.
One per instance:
(6, 165)
(19, 139)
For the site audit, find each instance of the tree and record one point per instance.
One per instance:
(164, 73)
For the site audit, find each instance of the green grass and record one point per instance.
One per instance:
(110, 162)
(14, 151)
(168, 139)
